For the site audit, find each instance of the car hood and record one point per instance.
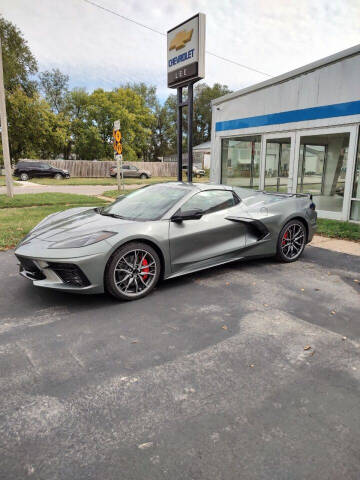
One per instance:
(74, 223)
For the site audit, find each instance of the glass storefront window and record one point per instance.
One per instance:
(355, 202)
(322, 169)
(240, 161)
(277, 161)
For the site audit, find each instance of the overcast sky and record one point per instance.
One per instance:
(99, 49)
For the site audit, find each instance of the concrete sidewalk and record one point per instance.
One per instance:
(29, 187)
(336, 245)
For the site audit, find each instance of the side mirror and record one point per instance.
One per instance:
(194, 214)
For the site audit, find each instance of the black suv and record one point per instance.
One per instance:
(26, 170)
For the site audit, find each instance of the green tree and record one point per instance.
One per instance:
(154, 148)
(102, 109)
(54, 86)
(160, 143)
(147, 92)
(19, 63)
(203, 95)
(35, 131)
(75, 110)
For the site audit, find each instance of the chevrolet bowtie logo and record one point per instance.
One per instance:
(180, 39)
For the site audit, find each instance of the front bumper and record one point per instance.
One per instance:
(78, 275)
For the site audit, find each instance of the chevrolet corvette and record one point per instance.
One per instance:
(162, 231)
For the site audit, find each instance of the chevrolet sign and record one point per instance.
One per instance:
(186, 52)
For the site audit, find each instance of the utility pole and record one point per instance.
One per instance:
(4, 132)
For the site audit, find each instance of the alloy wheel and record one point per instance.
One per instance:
(135, 272)
(293, 241)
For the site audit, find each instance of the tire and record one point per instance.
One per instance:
(143, 176)
(24, 177)
(291, 241)
(124, 282)
(58, 176)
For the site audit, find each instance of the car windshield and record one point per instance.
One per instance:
(148, 203)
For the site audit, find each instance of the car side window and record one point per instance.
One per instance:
(132, 167)
(211, 201)
(125, 167)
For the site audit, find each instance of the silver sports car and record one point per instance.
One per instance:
(163, 231)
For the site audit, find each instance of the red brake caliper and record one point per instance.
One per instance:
(145, 270)
(284, 238)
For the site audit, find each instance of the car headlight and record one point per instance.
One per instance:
(84, 240)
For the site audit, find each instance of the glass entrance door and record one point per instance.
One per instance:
(277, 164)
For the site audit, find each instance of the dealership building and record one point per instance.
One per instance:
(298, 132)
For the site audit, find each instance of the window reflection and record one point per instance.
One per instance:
(322, 169)
(240, 161)
(355, 204)
(277, 161)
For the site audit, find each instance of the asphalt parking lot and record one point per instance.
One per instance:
(207, 378)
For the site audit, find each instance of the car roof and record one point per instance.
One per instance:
(198, 186)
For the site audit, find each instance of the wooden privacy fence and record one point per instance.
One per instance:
(87, 168)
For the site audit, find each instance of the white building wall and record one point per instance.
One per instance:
(329, 83)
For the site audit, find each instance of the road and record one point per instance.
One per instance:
(207, 378)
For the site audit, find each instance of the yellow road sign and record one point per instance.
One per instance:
(119, 148)
(118, 135)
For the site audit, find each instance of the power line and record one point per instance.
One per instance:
(237, 63)
(108, 10)
(123, 17)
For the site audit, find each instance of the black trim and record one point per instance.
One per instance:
(182, 23)
(30, 268)
(70, 274)
(258, 227)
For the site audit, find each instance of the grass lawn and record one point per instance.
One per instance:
(3, 182)
(20, 214)
(115, 193)
(108, 181)
(337, 229)
(38, 199)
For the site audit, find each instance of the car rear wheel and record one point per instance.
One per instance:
(58, 176)
(143, 176)
(133, 271)
(291, 241)
(24, 177)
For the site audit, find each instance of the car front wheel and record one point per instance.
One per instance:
(24, 177)
(133, 271)
(143, 176)
(58, 176)
(291, 241)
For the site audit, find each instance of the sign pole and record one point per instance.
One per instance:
(4, 132)
(118, 171)
(118, 155)
(190, 103)
(179, 132)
